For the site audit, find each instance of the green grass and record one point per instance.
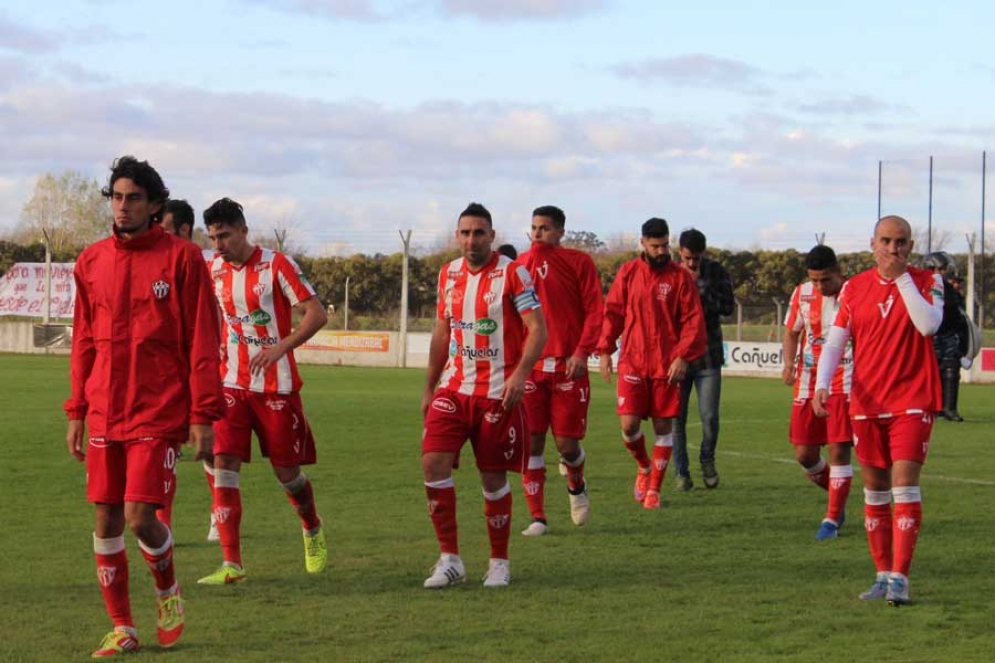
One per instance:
(727, 575)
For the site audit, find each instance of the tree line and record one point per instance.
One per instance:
(70, 210)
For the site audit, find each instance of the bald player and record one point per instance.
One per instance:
(890, 312)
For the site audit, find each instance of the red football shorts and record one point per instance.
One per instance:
(553, 400)
(647, 397)
(808, 429)
(142, 470)
(498, 436)
(880, 442)
(278, 420)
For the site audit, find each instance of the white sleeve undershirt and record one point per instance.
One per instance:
(926, 316)
(832, 352)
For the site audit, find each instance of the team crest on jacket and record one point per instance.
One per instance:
(160, 289)
(544, 270)
(664, 292)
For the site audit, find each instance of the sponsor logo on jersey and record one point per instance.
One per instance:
(453, 348)
(485, 326)
(160, 289)
(262, 341)
(275, 405)
(495, 273)
(492, 417)
(258, 317)
(885, 307)
(479, 354)
(530, 386)
(106, 575)
(632, 379)
(444, 405)
(565, 386)
(462, 325)
(219, 272)
(261, 266)
(499, 521)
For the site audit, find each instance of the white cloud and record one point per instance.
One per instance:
(516, 10)
(697, 70)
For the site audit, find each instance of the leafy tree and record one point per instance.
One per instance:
(70, 208)
(582, 240)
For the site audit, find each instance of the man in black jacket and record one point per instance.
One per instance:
(705, 375)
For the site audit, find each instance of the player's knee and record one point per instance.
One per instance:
(436, 467)
(293, 484)
(227, 462)
(631, 432)
(141, 520)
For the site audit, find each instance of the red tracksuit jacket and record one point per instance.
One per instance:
(569, 290)
(658, 314)
(145, 339)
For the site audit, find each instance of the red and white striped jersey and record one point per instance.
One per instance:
(812, 313)
(486, 333)
(256, 301)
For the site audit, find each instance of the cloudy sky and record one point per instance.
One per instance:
(761, 123)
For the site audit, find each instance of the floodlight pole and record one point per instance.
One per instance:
(406, 239)
(981, 306)
(971, 278)
(929, 223)
(345, 325)
(48, 276)
(879, 193)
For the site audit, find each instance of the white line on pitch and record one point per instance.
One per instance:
(788, 461)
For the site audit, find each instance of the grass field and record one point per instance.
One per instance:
(732, 574)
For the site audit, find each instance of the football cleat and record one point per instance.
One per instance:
(116, 642)
(580, 506)
(562, 467)
(225, 575)
(447, 571)
(498, 573)
(878, 590)
(827, 530)
(169, 626)
(652, 500)
(315, 551)
(642, 484)
(535, 528)
(709, 475)
(898, 590)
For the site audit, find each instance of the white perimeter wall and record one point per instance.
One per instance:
(381, 349)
